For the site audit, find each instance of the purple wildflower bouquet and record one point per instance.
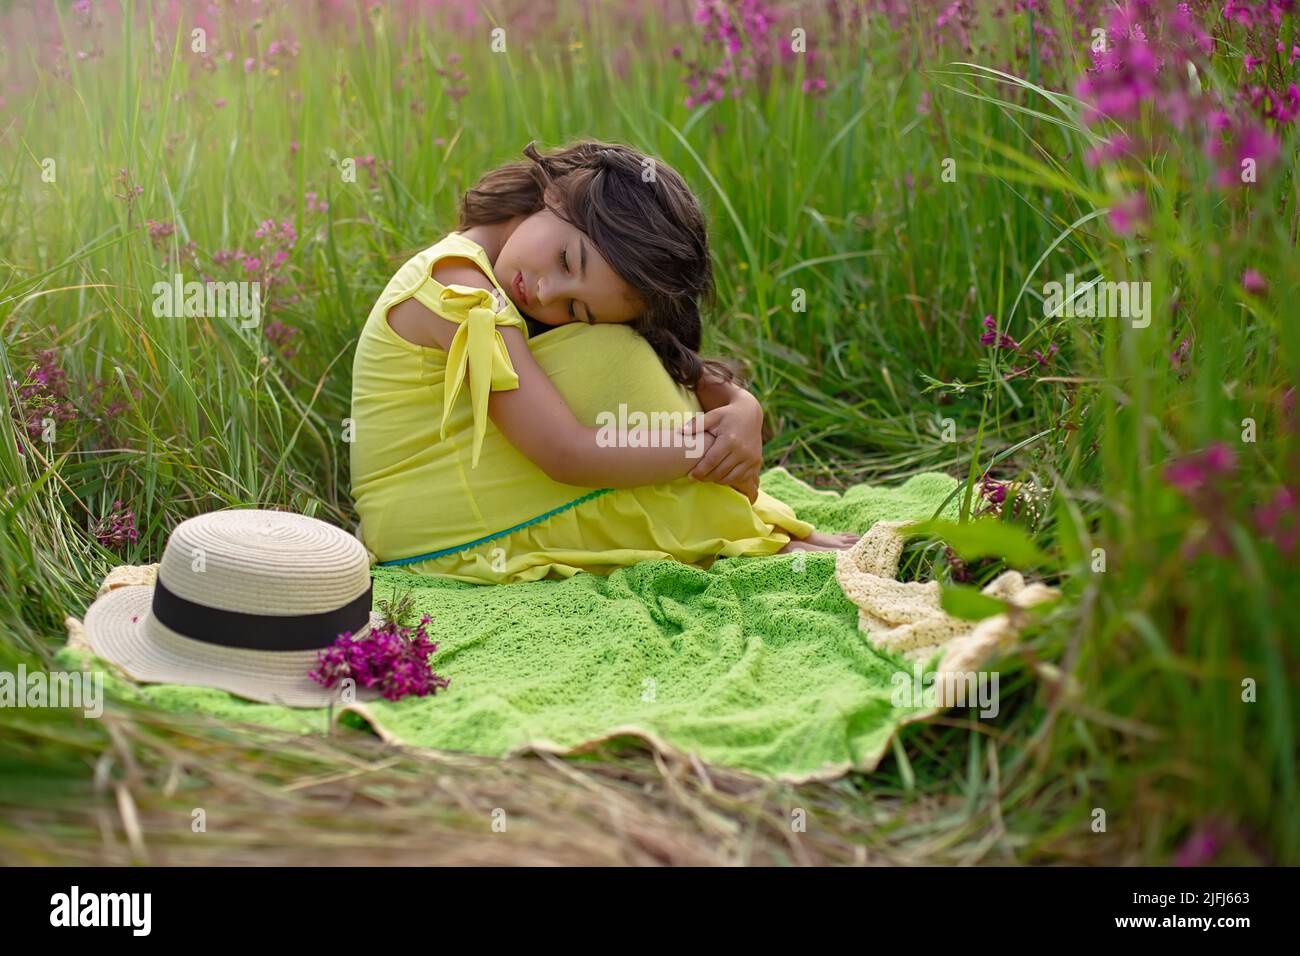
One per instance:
(390, 658)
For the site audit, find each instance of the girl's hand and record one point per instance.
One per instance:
(737, 455)
(748, 487)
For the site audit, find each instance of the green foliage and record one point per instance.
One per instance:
(985, 538)
(969, 604)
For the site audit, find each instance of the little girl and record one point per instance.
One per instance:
(572, 287)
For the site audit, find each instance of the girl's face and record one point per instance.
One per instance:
(553, 273)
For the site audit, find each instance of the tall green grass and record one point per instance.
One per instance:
(1128, 695)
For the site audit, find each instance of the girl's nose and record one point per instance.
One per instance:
(548, 290)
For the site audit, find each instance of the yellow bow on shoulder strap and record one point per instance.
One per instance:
(477, 347)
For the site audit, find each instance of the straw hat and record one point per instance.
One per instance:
(243, 601)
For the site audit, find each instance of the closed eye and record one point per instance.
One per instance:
(564, 262)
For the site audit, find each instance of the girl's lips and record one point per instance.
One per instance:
(519, 288)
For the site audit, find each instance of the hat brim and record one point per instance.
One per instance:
(121, 629)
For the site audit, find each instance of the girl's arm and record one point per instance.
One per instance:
(536, 420)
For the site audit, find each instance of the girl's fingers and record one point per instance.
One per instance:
(709, 463)
(742, 472)
(747, 485)
(728, 464)
(705, 422)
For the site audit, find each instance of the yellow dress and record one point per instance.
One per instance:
(441, 490)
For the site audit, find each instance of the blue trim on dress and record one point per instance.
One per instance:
(499, 534)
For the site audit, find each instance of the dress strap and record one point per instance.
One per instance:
(476, 348)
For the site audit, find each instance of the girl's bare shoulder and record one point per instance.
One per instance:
(457, 270)
(416, 323)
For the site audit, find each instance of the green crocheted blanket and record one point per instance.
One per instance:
(756, 663)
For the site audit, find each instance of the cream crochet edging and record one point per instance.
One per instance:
(907, 617)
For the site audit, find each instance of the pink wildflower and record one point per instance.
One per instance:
(117, 529)
(997, 340)
(1278, 519)
(1254, 283)
(281, 336)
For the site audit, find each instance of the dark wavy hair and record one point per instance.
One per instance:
(652, 234)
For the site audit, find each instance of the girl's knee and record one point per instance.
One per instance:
(597, 368)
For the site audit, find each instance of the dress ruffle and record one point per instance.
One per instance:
(624, 526)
